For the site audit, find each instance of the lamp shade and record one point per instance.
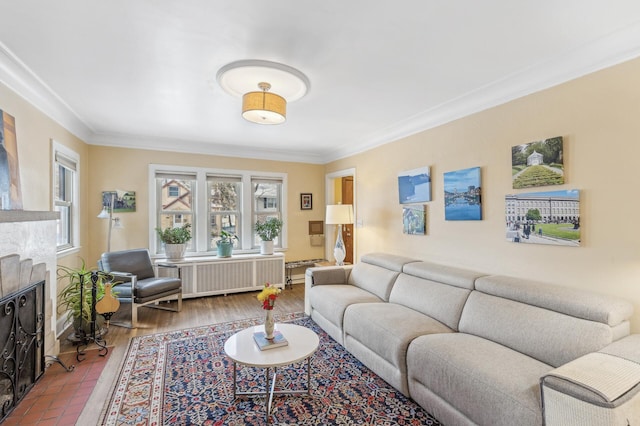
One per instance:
(264, 108)
(339, 214)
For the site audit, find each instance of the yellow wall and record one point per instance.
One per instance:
(128, 169)
(34, 132)
(598, 116)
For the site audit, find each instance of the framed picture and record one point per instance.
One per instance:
(123, 201)
(10, 190)
(551, 217)
(414, 186)
(306, 201)
(538, 163)
(413, 220)
(462, 199)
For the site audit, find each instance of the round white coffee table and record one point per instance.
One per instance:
(242, 349)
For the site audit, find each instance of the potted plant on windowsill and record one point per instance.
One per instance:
(175, 240)
(225, 243)
(268, 230)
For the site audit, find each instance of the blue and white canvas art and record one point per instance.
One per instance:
(414, 186)
(462, 199)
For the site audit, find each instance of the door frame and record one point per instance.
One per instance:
(330, 230)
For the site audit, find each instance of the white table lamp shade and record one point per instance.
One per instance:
(339, 214)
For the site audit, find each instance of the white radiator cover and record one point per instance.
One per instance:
(203, 276)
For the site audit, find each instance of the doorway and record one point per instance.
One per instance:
(340, 189)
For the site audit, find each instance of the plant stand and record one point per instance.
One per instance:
(94, 335)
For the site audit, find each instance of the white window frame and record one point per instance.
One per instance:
(200, 206)
(58, 149)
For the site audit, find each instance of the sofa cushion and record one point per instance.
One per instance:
(451, 275)
(487, 382)
(332, 300)
(387, 261)
(374, 279)
(545, 335)
(384, 331)
(440, 301)
(577, 303)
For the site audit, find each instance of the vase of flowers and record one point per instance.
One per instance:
(268, 297)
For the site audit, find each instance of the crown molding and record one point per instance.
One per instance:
(605, 52)
(19, 78)
(206, 148)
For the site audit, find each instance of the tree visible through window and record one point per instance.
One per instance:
(215, 200)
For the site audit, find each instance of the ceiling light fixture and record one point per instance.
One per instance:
(278, 84)
(264, 107)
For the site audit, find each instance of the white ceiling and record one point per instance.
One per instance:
(142, 73)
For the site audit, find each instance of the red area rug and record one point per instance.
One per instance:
(184, 377)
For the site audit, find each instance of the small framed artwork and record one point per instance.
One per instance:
(123, 201)
(413, 220)
(306, 201)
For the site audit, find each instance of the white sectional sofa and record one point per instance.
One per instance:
(476, 349)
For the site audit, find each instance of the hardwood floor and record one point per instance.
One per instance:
(195, 312)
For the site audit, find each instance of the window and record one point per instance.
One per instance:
(66, 178)
(225, 199)
(215, 200)
(266, 196)
(174, 191)
(175, 194)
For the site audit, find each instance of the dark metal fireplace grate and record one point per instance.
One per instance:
(22, 358)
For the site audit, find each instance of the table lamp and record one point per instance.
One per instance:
(339, 214)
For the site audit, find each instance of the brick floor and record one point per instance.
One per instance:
(59, 396)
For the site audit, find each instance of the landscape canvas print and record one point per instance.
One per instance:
(10, 193)
(551, 217)
(462, 199)
(414, 186)
(413, 220)
(537, 163)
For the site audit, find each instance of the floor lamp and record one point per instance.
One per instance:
(107, 213)
(339, 214)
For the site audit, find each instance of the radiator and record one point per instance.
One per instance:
(208, 276)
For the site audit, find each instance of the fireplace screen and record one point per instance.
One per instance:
(21, 344)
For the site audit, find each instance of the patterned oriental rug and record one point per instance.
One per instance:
(184, 378)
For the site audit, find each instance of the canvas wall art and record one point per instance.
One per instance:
(539, 163)
(10, 192)
(414, 220)
(462, 200)
(414, 186)
(551, 217)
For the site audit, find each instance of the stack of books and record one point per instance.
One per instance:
(264, 343)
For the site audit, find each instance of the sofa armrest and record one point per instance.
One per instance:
(600, 388)
(324, 275)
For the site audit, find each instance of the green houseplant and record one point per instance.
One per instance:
(175, 240)
(79, 307)
(225, 243)
(268, 230)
